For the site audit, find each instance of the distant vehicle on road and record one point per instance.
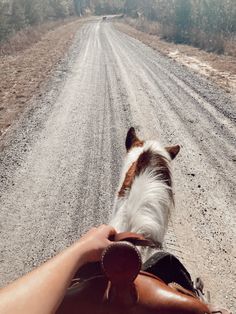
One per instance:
(104, 18)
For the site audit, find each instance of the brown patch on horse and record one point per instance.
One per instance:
(138, 143)
(173, 151)
(129, 178)
(157, 163)
(132, 140)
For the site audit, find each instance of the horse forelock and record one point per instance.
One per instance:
(150, 157)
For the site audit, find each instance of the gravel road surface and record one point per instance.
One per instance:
(60, 165)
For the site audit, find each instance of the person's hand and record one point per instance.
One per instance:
(95, 241)
(43, 289)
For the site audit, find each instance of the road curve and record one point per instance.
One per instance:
(60, 165)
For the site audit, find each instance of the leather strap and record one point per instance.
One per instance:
(136, 239)
(179, 288)
(217, 310)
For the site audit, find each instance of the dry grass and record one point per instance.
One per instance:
(22, 73)
(142, 25)
(28, 36)
(230, 47)
(214, 43)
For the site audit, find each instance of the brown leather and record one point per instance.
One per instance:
(179, 288)
(150, 296)
(126, 292)
(136, 239)
(216, 310)
(121, 263)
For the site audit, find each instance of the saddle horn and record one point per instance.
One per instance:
(121, 263)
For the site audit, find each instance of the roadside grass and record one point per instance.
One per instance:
(211, 43)
(28, 36)
(27, 66)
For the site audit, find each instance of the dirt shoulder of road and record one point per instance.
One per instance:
(219, 68)
(22, 74)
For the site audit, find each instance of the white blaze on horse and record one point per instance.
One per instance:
(145, 195)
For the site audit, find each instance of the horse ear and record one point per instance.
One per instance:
(173, 151)
(131, 137)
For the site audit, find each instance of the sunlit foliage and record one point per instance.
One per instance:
(204, 23)
(17, 14)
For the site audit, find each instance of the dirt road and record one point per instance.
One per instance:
(60, 166)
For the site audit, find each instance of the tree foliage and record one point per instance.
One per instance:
(17, 14)
(198, 22)
(108, 6)
(189, 21)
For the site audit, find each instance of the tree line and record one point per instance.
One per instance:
(17, 14)
(108, 6)
(203, 23)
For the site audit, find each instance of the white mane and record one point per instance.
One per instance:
(145, 208)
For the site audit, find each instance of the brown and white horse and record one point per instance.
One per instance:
(142, 206)
(145, 196)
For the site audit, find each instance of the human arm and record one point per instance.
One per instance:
(42, 290)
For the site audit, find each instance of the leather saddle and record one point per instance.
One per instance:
(117, 285)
